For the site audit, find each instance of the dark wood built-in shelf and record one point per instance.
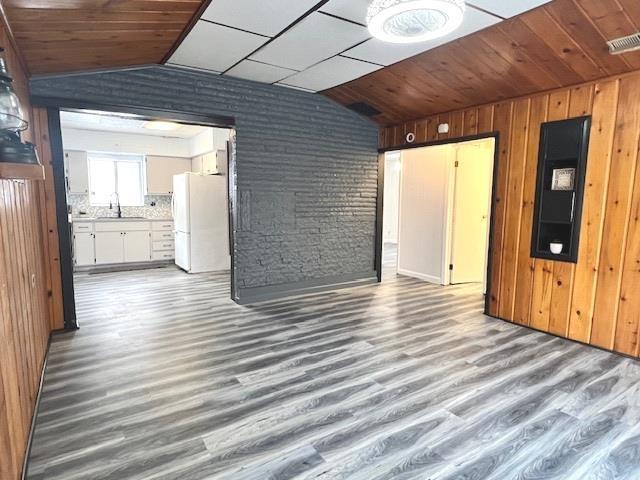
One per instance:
(21, 171)
(557, 214)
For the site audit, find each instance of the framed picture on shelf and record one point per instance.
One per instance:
(563, 179)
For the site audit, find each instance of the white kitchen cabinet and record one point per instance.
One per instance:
(109, 247)
(160, 172)
(83, 249)
(137, 247)
(210, 163)
(77, 171)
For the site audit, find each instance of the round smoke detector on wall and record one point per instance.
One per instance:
(411, 137)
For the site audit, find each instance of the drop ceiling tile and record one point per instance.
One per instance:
(383, 53)
(354, 10)
(507, 8)
(314, 39)
(266, 17)
(214, 47)
(259, 72)
(332, 72)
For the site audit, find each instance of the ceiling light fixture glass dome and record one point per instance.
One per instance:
(413, 21)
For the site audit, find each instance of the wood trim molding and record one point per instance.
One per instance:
(21, 171)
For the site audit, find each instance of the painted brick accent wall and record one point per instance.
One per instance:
(306, 167)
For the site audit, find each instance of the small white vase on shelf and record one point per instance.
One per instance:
(555, 247)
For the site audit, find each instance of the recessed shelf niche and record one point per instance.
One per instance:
(562, 164)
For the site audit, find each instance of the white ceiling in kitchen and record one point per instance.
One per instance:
(309, 44)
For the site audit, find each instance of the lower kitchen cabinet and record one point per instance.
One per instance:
(137, 247)
(120, 242)
(83, 249)
(109, 247)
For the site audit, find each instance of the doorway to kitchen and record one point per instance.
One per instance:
(437, 212)
(143, 193)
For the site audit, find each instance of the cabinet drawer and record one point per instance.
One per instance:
(163, 245)
(162, 226)
(168, 255)
(82, 227)
(157, 236)
(122, 226)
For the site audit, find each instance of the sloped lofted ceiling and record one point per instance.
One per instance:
(560, 44)
(75, 35)
(318, 45)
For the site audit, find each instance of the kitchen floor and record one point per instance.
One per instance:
(169, 379)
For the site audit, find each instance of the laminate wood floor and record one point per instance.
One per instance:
(168, 379)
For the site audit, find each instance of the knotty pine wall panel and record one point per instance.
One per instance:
(30, 295)
(597, 299)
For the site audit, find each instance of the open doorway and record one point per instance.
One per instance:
(437, 207)
(144, 194)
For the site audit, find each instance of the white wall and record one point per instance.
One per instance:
(425, 190)
(116, 142)
(392, 168)
(209, 141)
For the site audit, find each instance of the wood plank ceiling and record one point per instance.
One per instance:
(75, 35)
(560, 44)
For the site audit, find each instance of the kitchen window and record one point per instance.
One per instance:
(113, 175)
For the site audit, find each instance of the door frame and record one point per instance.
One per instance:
(53, 106)
(448, 141)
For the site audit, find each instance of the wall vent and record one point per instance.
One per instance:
(624, 44)
(364, 109)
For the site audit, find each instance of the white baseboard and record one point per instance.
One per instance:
(421, 276)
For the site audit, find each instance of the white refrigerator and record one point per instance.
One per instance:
(200, 214)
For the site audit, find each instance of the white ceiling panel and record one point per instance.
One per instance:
(507, 8)
(332, 72)
(215, 47)
(314, 39)
(266, 17)
(383, 53)
(354, 10)
(259, 72)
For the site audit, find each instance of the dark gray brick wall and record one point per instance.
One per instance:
(306, 167)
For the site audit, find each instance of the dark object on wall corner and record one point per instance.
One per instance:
(364, 109)
(12, 150)
(12, 122)
(562, 166)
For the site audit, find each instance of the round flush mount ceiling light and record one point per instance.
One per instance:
(413, 21)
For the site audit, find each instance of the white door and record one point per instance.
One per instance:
(181, 203)
(77, 171)
(183, 250)
(424, 193)
(109, 247)
(83, 249)
(137, 247)
(471, 207)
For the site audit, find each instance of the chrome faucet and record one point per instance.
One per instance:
(118, 203)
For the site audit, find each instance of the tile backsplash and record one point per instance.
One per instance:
(81, 207)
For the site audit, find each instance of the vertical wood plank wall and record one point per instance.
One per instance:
(30, 294)
(596, 300)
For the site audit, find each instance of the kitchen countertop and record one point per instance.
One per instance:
(123, 219)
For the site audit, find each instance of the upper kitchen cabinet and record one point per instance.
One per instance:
(209, 163)
(77, 171)
(160, 172)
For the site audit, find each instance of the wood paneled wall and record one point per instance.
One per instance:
(596, 300)
(30, 298)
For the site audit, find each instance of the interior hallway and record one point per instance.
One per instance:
(169, 379)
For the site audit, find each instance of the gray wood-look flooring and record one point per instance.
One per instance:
(168, 379)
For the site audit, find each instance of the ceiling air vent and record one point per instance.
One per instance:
(364, 109)
(624, 44)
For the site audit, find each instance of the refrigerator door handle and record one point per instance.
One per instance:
(173, 205)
